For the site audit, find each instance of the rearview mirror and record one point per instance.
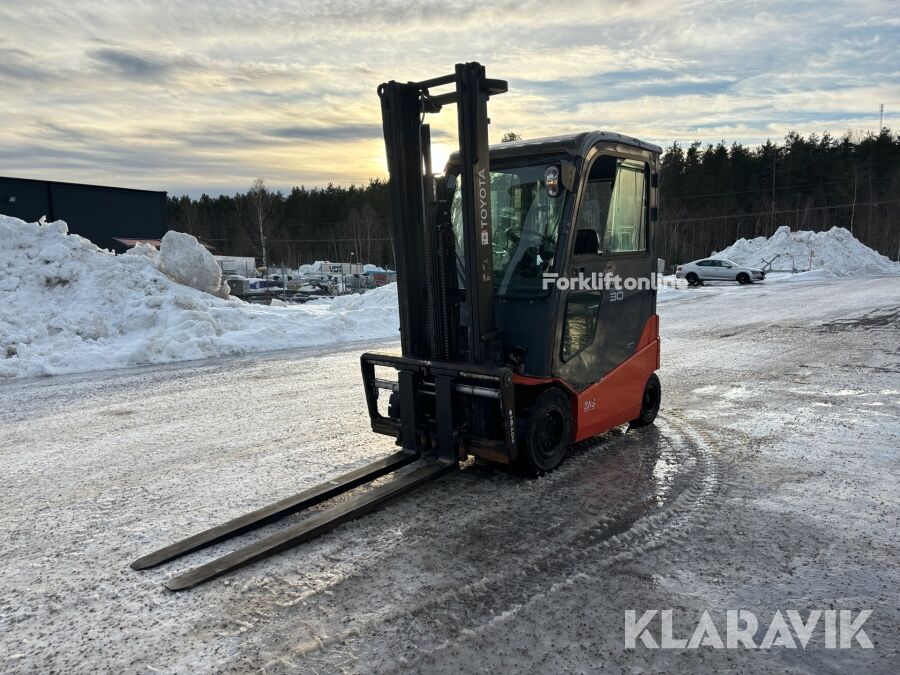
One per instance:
(551, 180)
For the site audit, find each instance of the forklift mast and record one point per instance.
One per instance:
(446, 322)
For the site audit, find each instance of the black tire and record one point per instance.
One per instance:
(649, 402)
(743, 279)
(546, 435)
(692, 279)
(394, 405)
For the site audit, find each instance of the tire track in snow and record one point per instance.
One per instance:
(690, 509)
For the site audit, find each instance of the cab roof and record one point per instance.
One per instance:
(576, 145)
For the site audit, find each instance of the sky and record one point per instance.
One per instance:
(204, 96)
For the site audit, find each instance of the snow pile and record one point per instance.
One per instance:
(835, 251)
(67, 306)
(188, 262)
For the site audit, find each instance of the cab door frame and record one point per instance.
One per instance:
(586, 367)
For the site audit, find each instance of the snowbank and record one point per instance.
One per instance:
(67, 306)
(835, 251)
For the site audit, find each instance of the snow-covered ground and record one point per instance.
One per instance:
(769, 482)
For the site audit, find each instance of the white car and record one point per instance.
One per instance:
(713, 269)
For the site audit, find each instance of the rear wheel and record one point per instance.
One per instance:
(692, 279)
(649, 403)
(743, 278)
(547, 433)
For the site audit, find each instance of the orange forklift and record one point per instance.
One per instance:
(525, 276)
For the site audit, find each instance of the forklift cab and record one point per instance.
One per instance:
(525, 283)
(566, 212)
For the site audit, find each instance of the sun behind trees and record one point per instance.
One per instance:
(710, 195)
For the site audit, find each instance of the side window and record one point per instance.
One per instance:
(626, 226)
(613, 213)
(595, 206)
(580, 323)
(705, 263)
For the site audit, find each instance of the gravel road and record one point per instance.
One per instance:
(768, 483)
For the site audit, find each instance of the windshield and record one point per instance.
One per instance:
(525, 222)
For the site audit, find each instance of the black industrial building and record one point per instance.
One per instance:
(110, 217)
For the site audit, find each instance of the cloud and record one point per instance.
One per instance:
(329, 133)
(19, 64)
(205, 96)
(130, 65)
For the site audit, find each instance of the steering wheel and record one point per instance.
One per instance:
(546, 244)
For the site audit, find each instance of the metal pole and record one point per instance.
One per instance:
(774, 157)
(262, 241)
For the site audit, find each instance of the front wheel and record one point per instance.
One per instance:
(394, 406)
(649, 403)
(547, 434)
(743, 278)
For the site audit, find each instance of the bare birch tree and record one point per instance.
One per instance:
(263, 216)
